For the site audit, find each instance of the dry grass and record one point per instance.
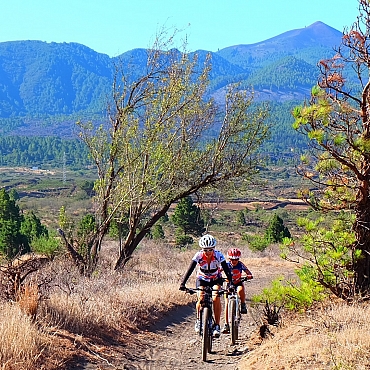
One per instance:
(117, 300)
(75, 313)
(70, 309)
(28, 299)
(332, 337)
(21, 342)
(110, 306)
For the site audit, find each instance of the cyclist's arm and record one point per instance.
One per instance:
(188, 272)
(246, 271)
(227, 271)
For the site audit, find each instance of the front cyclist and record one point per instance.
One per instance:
(210, 262)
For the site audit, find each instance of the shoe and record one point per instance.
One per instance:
(197, 326)
(216, 331)
(243, 308)
(226, 329)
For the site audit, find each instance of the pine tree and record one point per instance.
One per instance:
(32, 228)
(276, 230)
(240, 218)
(187, 217)
(12, 241)
(158, 232)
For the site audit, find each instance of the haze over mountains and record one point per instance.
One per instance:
(39, 79)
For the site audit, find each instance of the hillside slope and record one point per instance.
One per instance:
(39, 79)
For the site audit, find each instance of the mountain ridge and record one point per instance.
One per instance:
(40, 79)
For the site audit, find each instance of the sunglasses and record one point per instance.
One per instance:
(207, 250)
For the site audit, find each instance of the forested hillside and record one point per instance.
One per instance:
(46, 87)
(42, 152)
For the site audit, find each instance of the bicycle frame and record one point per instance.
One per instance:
(207, 320)
(234, 314)
(234, 311)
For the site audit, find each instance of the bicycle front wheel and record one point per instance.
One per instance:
(232, 321)
(210, 331)
(206, 333)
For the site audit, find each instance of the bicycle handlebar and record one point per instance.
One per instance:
(220, 291)
(194, 290)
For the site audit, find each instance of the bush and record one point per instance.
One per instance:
(240, 218)
(256, 242)
(183, 240)
(293, 295)
(46, 245)
(157, 232)
(276, 231)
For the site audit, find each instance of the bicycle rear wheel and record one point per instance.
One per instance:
(206, 333)
(232, 321)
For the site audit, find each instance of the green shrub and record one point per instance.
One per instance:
(256, 242)
(276, 230)
(157, 232)
(293, 295)
(183, 240)
(46, 245)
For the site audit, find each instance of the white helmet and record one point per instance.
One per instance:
(207, 241)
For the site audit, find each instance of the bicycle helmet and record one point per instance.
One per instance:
(207, 241)
(234, 253)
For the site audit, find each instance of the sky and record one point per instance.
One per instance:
(115, 26)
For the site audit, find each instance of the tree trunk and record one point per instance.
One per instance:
(362, 231)
(133, 240)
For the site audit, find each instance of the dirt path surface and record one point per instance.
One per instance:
(172, 343)
(177, 346)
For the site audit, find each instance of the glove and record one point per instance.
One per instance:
(249, 277)
(182, 287)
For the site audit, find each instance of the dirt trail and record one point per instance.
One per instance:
(172, 343)
(177, 346)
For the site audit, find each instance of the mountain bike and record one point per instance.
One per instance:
(234, 311)
(207, 321)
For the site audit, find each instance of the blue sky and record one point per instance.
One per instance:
(115, 26)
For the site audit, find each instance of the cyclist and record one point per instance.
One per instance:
(237, 268)
(211, 262)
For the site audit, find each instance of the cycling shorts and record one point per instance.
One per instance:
(213, 282)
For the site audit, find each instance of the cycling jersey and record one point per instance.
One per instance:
(236, 271)
(209, 271)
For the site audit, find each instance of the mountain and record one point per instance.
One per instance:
(306, 43)
(284, 67)
(50, 84)
(50, 78)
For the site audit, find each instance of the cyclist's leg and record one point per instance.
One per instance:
(226, 328)
(241, 292)
(216, 310)
(199, 284)
(217, 302)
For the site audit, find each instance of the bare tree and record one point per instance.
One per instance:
(165, 141)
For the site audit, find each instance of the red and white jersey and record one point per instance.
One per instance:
(209, 271)
(236, 271)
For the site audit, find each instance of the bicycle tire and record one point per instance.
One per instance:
(232, 321)
(210, 333)
(206, 334)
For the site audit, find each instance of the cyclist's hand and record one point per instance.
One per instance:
(182, 287)
(249, 277)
